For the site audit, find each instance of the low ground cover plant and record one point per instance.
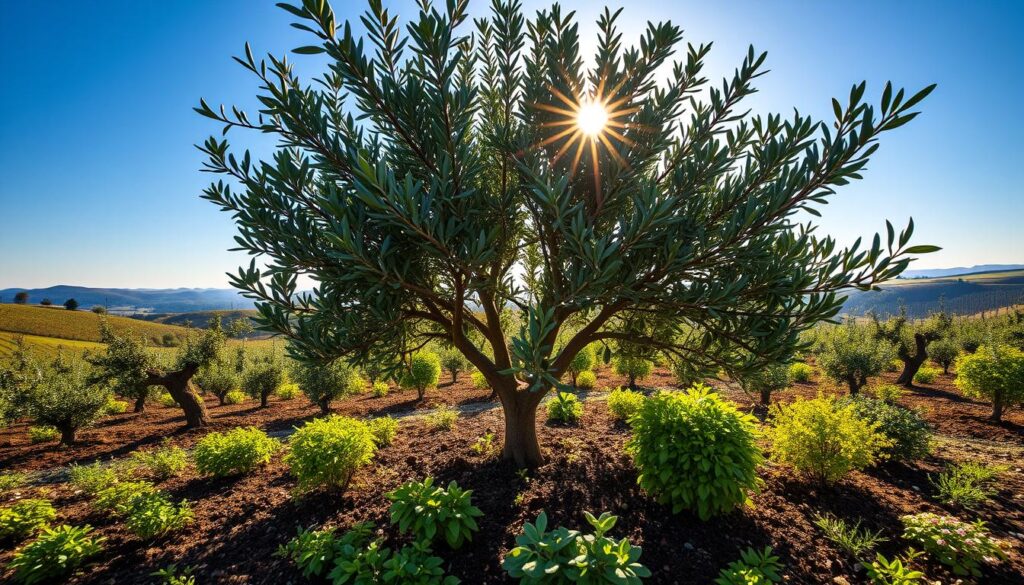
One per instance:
(115, 406)
(380, 389)
(327, 452)
(235, 397)
(888, 392)
(565, 408)
(966, 484)
(238, 451)
(92, 478)
(24, 518)
(543, 557)
(852, 538)
(962, 546)
(119, 498)
(56, 553)
(383, 429)
(897, 571)
(624, 403)
(755, 567)
(800, 372)
(153, 514)
(288, 391)
(443, 418)
(484, 445)
(908, 434)
(430, 512)
(172, 575)
(161, 463)
(43, 434)
(824, 439)
(586, 380)
(695, 451)
(10, 480)
(926, 375)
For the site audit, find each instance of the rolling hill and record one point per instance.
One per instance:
(137, 300)
(58, 323)
(963, 295)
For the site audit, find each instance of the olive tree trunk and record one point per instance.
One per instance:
(179, 385)
(913, 363)
(997, 406)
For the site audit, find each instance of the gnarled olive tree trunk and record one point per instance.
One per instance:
(179, 385)
(913, 363)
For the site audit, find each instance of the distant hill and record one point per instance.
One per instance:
(137, 300)
(963, 295)
(938, 272)
(59, 323)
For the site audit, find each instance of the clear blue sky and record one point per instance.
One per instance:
(99, 178)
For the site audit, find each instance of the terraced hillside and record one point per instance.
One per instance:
(965, 295)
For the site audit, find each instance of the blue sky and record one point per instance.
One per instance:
(99, 178)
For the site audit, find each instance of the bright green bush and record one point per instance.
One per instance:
(994, 373)
(564, 407)
(581, 362)
(586, 380)
(825, 440)
(695, 451)
(383, 430)
(164, 398)
(24, 518)
(325, 383)
(888, 392)
(443, 418)
(424, 372)
(56, 553)
(800, 372)
(288, 391)
(171, 575)
(543, 557)
(92, 478)
(311, 550)
(327, 452)
(479, 381)
(262, 379)
(926, 375)
(115, 406)
(633, 367)
(909, 435)
(237, 451)
(161, 463)
(119, 498)
(153, 514)
(962, 546)
(42, 434)
(430, 512)
(624, 403)
(754, 568)
(235, 397)
(415, 565)
(380, 389)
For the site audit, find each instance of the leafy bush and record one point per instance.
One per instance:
(800, 372)
(311, 550)
(56, 553)
(383, 430)
(851, 538)
(415, 565)
(325, 383)
(42, 434)
(380, 389)
(995, 373)
(453, 362)
(484, 445)
(909, 435)
(429, 512)
(163, 462)
(65, 399)
(328, 451)
(888, 392)
(219, 379)
(898, 571)
(568, 556)
(115, 406)
(926, 375)
(624, 403)
(824, 439)
(633, 367)
(235, 397)
(565, 408)
(152, 514)
(478, 379)
(24, 518)
(944, 352)
(424, 372)
(262, 379)
(754, 568)
(583, 361)
(966, 484)
(851, 354)
(586, 380)
(960, 545)
(164, 398)
(240, 450)
(695, 451)
(119, 498)
(92, 478)
(443, 418)
(288, 391)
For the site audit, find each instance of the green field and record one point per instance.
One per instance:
(77, 325)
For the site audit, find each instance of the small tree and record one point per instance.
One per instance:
(424, 371)
(21, 297)
(125, 365)
(454, 362)
(584, 360)
(911, 340)
(634, 367)
(66, 399)
(262, 379)
(218, 378)
(773, 378)
(850, 354)
(71, 305)
(99, 309)
(944, 352)
(46, 302)
(324, 383)
(996, 373)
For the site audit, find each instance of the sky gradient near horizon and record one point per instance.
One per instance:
(99, 178)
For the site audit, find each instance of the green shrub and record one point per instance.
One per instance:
(995, 373)
(944, 352)
(235, 397)
(424, 372)
(926, 375)
(380, 389)
(43, 434)
(153, 514)
(851, 354)
(262, 379)
(119, 498)
(415, 565)
(568, 556)
(325, 383)
(24, 518)
(430, 512)
(289, 391)
(623, 403)
(311, 550)
(888, 392)
(238, 451)
(771, 378)
(583, 361)
(56, 553)
(851, 538)
(328, 451)
(92, 478)
(800, 372)
(453, 362)
(484, 445)
(909, 435)
(565, 408)
(754, 568)
(66, 398)
(695, 451)
(898, 571)
(164, 398)
(115, 406)
(633, 367)
(479, 381)
(960, 545)
(824, 440)
(443, 418)
(966, 484)
(161, 463)
(219, 379)
(586, 380)
(10, 480)
(383, 429)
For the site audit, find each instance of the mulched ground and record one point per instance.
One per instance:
(240, 522)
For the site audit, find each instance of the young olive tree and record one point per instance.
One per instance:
(911, 340)
(66, 398)
(851, 354)
(434, 177)
(125, 365)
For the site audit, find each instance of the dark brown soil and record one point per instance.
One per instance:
(240, 522)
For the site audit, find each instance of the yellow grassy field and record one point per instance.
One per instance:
(76, 325)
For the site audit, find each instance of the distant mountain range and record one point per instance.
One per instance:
(937, 272)
(137, 300)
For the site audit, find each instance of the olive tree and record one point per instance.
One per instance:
(851, 354)
(324, 383)
(67, 398)
(994, 372)
(911, 339)
(433, 177)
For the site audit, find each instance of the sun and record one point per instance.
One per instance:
(591, 118)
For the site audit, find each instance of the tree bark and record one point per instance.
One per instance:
(140, 402)
(997, 406)
(913, 363)
(521, 445)
(325, 407)
(67, 435)
(766, 397)
(851, 381)
(264, 397)
(179, 385)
